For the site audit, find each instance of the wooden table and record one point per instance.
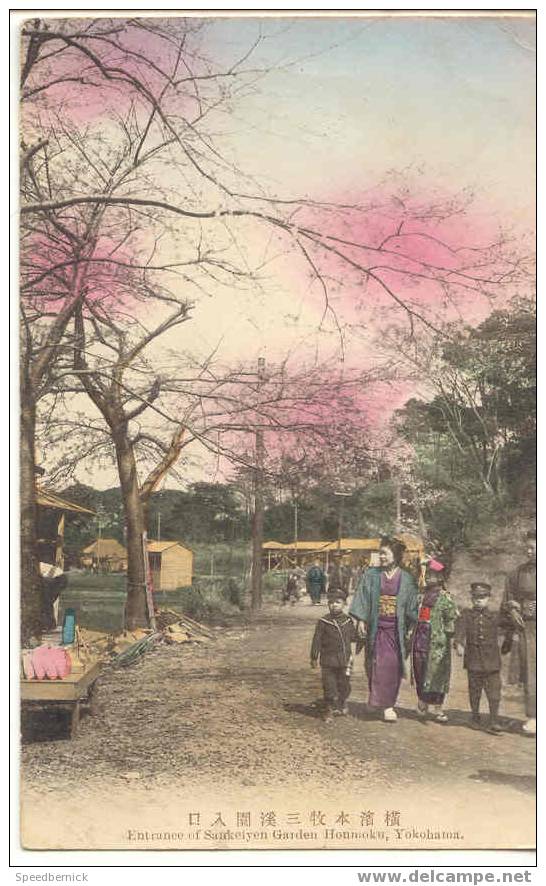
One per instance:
(78, 689)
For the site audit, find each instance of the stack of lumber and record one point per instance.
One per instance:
(179, 628)
(127, 646)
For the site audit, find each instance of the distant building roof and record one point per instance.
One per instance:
(47, 499)
(412, 542)
(370, 544)
(157, 547)
(106, 547)
(357, 544)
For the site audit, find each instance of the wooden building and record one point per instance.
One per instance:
(104, 555)
(171, 565)
(51, 520)
(356, 552)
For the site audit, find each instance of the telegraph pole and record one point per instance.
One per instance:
(398, 502)
(296, 531)
(258, 513)
(342, 496)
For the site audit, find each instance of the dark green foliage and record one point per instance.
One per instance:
(367, 512)
(210, 519)
(474, 440)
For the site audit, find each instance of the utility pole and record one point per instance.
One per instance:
(296, 531)
(99, 537)
(159, 526)
(342, 496)
(398, 499)
(258, 513)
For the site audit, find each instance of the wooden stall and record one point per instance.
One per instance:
(70, 693)
(171, 565)
(356, 552)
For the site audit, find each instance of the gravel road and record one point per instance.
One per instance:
(236, 717)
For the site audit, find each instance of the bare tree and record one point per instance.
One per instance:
(117, 138)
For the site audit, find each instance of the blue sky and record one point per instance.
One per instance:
(454, 96)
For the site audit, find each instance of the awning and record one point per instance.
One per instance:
(47, 499)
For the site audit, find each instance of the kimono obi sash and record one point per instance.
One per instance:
(387, 605)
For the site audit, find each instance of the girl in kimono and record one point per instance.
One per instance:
(385, 609)
(431, 646)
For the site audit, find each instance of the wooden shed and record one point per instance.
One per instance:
(171, 565)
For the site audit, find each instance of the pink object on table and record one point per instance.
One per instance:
(51, 662)
(39, 661)
(60, 661)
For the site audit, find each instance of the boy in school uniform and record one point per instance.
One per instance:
(477, 638)
(331, 647)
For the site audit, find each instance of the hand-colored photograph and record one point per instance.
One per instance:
(277, 430)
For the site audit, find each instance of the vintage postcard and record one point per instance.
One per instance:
(277, 414)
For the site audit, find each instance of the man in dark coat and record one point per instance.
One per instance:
(519, 605)
(316, 582)
(331, 646)
(477, 638)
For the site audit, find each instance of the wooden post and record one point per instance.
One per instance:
(148, 582)
(59, 555)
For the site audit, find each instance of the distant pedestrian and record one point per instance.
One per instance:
(316, 582)
(477, 638)
(431, 644)
(291, 590)
(334, 574)
(520, 608)
(346, 579)
(331, 647)
(301, 580)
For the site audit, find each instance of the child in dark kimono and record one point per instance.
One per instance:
(331, 646)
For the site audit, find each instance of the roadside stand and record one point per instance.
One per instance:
(55, 675)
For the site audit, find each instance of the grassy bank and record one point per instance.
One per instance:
(220, 591)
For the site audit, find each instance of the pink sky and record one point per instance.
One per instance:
(381, 113)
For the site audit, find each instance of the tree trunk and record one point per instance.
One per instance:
(31, 598)
(257, 527)
(137, 611)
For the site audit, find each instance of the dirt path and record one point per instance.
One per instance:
(233, 720)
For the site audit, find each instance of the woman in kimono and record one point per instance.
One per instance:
(431, 646)
(385, 609)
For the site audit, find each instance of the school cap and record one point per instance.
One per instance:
(480, 589)
(337, 594)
